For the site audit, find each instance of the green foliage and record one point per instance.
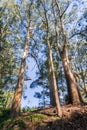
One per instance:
(4, 117)
(8, 75)
(2, 100)
(13, 28)
(9, 123)
(36, 117)
(28, 109)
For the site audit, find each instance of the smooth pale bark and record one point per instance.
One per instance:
(15, 109)
(52, 96)
(71, 84)
(53, 85)
(52, 78)
(73, 92)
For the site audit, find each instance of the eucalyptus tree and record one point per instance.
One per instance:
(7, 57)
(79, 60)
(62, 41)
(63, 37)
(80, 68)
(25, 15)
(83, 49)
(43, 10)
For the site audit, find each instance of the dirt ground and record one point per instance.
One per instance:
(74, 118)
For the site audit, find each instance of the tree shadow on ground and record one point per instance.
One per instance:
(77, 121)
(4, 114)
(16, 125)
(10, 123)
(4, 117)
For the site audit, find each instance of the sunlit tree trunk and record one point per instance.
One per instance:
(73, 93)
(51, 87)
(52, 96)
(71, 82)
(53, 84)
(15, 109)
(52, 78)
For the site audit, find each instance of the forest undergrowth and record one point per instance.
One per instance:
(74, 118)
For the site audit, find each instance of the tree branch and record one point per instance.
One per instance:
(33, 56)
(79, 33)
(65, 9)
(26, 79)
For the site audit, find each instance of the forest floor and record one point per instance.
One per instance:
(74, 118)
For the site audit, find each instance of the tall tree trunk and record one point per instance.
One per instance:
(18, 92)
(73, 92)
(15, 109)
(53, 83)
(74, 96)
(51, 88)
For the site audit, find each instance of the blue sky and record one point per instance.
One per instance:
(30, 101)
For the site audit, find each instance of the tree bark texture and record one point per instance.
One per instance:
(15, 109)
(73, 92)
(53, 83)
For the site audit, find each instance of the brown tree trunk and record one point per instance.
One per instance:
(53, 83)
(15, 109)
(51, 88)
(74, 97)
(52, 78)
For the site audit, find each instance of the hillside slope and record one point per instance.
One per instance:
(74, 118)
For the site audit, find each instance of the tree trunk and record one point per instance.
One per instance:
(52, 78)
(15, 109)
(72, 86)
(74, 97)
(53, 83)
(51, 87)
